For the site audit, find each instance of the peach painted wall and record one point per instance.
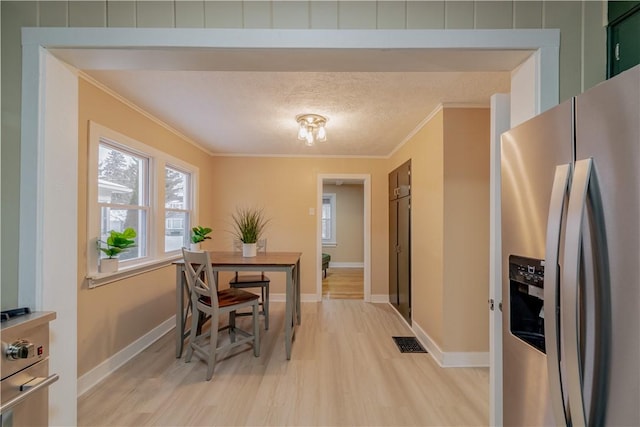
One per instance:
(450, 227)
(287, 188)
(448, 189)
(112, 316)
(425, 150)
(466, 229)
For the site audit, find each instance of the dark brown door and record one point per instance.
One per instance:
(400, 239)
(393, 252)
(404, 257)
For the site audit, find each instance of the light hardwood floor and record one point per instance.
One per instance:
(345, 370)
(343, 283)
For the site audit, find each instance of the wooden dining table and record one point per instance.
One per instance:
(287, 262)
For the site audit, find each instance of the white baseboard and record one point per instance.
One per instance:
(307, 298)
(346, 264)
(467, 359)
(450, 359)
(280, 297)
(379, 298)
(106, 368)
(429, 344)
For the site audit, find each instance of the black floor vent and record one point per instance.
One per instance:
(408, 345)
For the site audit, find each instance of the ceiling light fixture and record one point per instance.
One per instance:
(311, 128)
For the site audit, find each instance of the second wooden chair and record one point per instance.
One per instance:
(259, 280)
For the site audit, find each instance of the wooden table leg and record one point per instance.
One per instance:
(179, 312)
(298, 312)
(288, 315)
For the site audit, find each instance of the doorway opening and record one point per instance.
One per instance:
(342, 222)
(344, 236)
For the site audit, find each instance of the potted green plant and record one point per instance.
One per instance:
(249, 224)
(116, 243)
(198, 235)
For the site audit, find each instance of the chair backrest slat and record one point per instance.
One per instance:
(199, 275)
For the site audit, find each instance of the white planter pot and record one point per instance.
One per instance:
(108, 265)
(249, 249)
(194, 247)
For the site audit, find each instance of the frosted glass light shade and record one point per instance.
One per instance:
(311, 128)
(322, 134)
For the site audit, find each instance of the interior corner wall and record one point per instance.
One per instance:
(114, 315)
(450, 227)
(426, 151)
(466, 229)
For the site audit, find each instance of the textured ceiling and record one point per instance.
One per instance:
(373, 99)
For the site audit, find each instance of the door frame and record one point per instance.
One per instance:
(365, 179)
(38, 282)
(500, 122)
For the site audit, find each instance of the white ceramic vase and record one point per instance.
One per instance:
(249, 249)
(108, 265)
(194, 247)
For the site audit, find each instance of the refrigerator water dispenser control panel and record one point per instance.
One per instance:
(526, 300)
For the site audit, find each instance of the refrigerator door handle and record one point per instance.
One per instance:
(585, 199)
(559, 194)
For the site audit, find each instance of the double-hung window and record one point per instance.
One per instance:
(177, 208)
(329, 219)
(123, 194)
(132, 184)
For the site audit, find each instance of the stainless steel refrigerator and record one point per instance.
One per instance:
(571, 261)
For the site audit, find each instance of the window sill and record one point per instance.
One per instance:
(98, 279)
(329, 244)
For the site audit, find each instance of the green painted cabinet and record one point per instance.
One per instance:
(623, 36)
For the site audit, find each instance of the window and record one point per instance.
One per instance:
(134, 185)
(177, 212)
(123, 189)
(329, 219)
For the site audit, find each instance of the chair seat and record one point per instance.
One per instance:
(231, 296)
(326, 258)
(245, 281)
(249, 278)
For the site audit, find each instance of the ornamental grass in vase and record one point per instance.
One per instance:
(249, 224)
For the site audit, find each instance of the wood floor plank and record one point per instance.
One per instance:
(343, 283)
(345, 370)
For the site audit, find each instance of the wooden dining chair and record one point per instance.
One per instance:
(260, 280)
(206, 299)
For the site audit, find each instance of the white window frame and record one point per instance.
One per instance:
(155, 257)
(332, 241)
(188, 210)
(145, 202)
